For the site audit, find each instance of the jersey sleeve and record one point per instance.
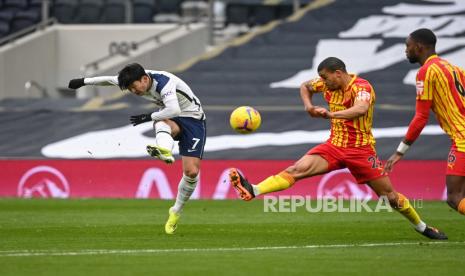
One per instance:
(171, 109)
(167, 88)
(425, 84)
(461, 79)
(461, 70)
(102, 81)
(363, 92)
(317, 85)
(419, 121)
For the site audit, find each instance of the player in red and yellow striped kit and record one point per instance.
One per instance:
(440, 87)
(351, 144)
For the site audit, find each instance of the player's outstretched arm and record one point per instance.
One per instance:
(101, 81)
(76, 83)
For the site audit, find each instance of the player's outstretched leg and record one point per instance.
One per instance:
(242, 186)
(383, 188)
(406, 209)
(247, 191)
(161, 153)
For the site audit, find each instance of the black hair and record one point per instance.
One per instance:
(332, 64)
(129, 74)
(425, 37)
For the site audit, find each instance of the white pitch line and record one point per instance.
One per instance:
(30, 253)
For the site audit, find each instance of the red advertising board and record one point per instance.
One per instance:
(153, 179)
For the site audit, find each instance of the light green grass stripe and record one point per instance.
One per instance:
(30, 253)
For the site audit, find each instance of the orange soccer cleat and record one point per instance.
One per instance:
(242, 186)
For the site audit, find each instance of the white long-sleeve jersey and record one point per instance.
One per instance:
(171, 94)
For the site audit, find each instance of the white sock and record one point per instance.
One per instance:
(163, 135)
(256, 192)
(420, 227)
(185, 189)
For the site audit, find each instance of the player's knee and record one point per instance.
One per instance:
(293, 171)
(299, 171)
(455, 190)
(393, 199)
(191, 172)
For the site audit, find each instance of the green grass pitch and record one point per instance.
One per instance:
(126, 237)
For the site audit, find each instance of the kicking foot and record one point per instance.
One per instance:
(163, 154)
(433, 233)
(172, 223)
(241, 185)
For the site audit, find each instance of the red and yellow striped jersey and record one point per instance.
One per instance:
(355, 132)
(444, 84)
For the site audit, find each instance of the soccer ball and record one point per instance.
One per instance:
(245, 119)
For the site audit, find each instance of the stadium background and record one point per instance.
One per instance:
(58, 144)
(261, 64)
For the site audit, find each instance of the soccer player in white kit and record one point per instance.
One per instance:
(180, 117)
